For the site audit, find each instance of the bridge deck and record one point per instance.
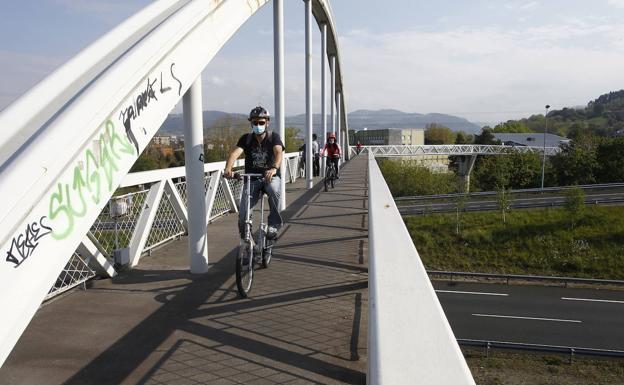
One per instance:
(304, 323)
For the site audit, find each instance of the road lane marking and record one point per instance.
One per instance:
(527, 318)
(471, 292)
(592, 300)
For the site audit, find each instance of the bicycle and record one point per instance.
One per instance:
(330, 175)
(252, 251)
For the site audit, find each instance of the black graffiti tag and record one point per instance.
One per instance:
(25, 244)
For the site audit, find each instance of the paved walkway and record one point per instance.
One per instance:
(305, 321)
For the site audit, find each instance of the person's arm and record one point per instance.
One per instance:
(323, 150)
(278, 153)
(234, 154)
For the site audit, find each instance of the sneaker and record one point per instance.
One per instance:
(271, 233)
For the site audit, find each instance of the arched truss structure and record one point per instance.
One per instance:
(68, 142)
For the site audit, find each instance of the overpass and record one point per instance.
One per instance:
(102, 108)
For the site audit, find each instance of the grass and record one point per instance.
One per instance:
(503, 368)
(506, 368)
(536, 241)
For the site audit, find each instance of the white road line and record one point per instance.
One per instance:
(528, 318)
(592, 300)
(471, 292)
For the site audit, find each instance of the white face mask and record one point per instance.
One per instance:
(331, 141)
(258, 129)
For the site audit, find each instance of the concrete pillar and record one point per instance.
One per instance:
(308, 86)
(278, 73)
(194, 165)
(466, 164)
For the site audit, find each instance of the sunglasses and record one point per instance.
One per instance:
(258, 122)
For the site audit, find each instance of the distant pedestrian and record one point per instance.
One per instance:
(358, 147)
(316, 165)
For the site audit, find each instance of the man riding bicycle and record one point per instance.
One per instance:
(263, 155)
(333, 151)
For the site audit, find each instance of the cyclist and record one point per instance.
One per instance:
(333, 151)
(263, 151)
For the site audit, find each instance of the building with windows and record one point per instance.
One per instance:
(400, 136)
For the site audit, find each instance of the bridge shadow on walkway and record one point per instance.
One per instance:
(305, 321)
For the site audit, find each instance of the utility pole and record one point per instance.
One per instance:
(544, 148)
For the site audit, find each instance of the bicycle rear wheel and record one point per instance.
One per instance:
(244, 268)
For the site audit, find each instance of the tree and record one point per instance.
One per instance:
(574, 204)
(486, 137)
(503, 200)
(577, 162)
(463, 138)
(438, 134)
(512, 126)
(610, 161)
(292, 140)
(222, 136)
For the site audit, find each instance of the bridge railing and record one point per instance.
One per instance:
(410, 338)
(129, 228)
(451, 149)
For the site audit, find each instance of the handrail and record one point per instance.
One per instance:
(515, 191)
(410, 338)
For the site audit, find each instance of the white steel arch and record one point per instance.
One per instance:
(69, 142)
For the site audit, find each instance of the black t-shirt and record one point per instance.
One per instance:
(259, 157)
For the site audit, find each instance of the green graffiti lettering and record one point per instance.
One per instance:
(58, 209)
(62, 201)
(93, 177)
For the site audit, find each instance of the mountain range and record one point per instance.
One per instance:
(358, 120)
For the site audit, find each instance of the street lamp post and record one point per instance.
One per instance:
(544, 148)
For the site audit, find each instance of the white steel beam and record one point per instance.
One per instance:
(102, 265)
(278, 73)
(144, 222)
(176, 202)
(323, 139)
(229, 195)
(194, 164)
(308, 86)
(215, 180)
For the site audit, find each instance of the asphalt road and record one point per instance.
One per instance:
(587, 318)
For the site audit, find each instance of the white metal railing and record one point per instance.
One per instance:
(451, 149)
(119, 225)
(409, 337)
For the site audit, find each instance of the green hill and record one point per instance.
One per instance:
(603, 116)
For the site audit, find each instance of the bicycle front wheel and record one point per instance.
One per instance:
(244, 268)
(267, 252)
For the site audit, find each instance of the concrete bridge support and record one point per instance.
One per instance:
(466, 164)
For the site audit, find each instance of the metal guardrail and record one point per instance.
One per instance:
(409, 337)
(508, 277)
(569, 350)
(517, 203)
(518, 191)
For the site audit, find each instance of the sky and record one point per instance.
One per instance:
(485, 60)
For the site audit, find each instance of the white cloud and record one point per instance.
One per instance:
(616, 3)
(493, 72)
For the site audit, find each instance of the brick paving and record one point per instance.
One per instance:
(304, 323)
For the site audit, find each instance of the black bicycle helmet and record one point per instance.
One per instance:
(259, 113)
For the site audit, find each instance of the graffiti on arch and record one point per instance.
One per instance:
(71, 199)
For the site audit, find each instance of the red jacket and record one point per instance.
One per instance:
(332, 149)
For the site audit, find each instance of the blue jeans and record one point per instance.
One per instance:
(272, 190)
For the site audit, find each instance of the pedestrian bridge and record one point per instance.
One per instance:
(332, 309)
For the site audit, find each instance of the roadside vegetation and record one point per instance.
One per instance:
(551, 241)
(507, 368)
